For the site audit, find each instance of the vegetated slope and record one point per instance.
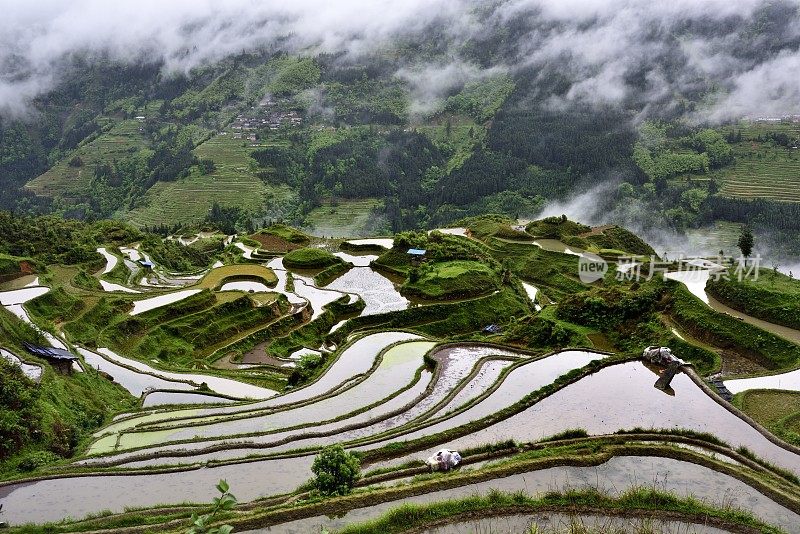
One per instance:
(766, 162)
(71, 178)
(231, 183)
(771, 296)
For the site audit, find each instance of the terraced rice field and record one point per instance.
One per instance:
(63, 180)
(395, 397)
(233, 183)
(762, 169)
(347, 219)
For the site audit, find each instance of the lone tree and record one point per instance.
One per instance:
(336, 470)
(746, 241)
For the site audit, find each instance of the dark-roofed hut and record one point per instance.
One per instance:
(60, 359)
(417, 255)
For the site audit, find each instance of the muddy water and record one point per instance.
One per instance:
(318, 298)
(532, 291)
(554, 245)
(452, 231)
(783, 331)
(614, 476)
(52, 500)
(356, 359)
(486, 377)
(396, 371)
(27, 280)
(299, 436)
(457, 363)
(111, 260)
(695, 281)
(788, 381)
(623, 397)
(21, 296)
(247, 252)
(110, 286)
(362, 260)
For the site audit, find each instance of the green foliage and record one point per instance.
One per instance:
(712, 143)
(224, 503)
(288, 233)
(329, 274)
(310, 258)
(773, 296)
(483, 98)
(36, 459)
(727, 332)
(570, 433)
(85, 281)
(609, 308)
(336, 470)
(56, 305)
(293, 75)
(452, 279)
(619, 238)
(18, 414)
(556, 228)
(540, 332)
(306, 368)
(746, 241)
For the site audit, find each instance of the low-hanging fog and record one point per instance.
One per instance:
(742, 54)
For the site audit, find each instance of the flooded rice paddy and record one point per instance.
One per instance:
(145, 305)
(247, 287)
(615, 476)
(385, 242)
(396, 370)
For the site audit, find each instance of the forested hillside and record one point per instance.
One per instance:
(378, 141)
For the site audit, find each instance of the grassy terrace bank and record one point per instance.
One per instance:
(506, 462)
(773, 296)
(644, 503)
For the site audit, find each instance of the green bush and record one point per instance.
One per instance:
(34, 460)
(335, 470)
(18, 414)
(452, 279)
(310, 258)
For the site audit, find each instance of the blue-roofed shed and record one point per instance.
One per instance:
(417, 251)
(147, 264)
(60, 359)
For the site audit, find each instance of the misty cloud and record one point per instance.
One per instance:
(636, 53)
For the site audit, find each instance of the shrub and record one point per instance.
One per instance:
(336, 470)
(310, 258)
(35, 460)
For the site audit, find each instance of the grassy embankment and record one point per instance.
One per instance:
(49, 421)
(778, 411)
(119, 138)
(726, 332)
(345, 218)
(773, 296)
(645, 503)
(234, 182)
(761, 168)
